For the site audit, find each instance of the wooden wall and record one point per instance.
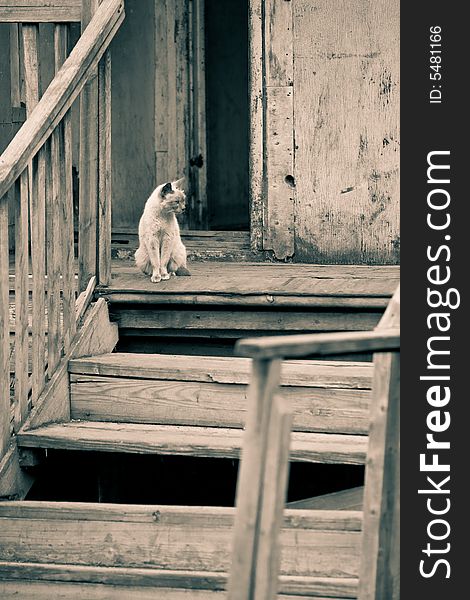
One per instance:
(331, 130)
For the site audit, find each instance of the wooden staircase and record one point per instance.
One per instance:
(193, 406)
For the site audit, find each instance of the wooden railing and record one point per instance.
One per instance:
(36, 178)
(262, 479)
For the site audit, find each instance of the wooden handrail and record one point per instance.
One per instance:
(320, 344)
(61, 93)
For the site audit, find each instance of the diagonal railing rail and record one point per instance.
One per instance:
(36, 179)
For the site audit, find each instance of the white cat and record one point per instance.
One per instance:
(161, 252)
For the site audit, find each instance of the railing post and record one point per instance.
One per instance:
(4, 332)
(380, 558)
(261, 487)
(88, 192)
(105, 170)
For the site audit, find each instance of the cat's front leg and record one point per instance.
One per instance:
(165, 257)
(154, 255)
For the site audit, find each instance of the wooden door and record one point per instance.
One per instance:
(325, 130)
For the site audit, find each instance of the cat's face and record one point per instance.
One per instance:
(172, 198)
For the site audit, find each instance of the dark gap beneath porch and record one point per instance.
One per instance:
(172, 480)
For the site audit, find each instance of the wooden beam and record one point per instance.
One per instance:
(104, 170)
(89, 175)
(14, 482)
(256, 139)
(276, 474)
(380, 556)
(265, 377)
(319, 344)
(4, 333)
(61, 93)
(38, 11)
(96, 336)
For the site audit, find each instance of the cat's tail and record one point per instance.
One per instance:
(183, 272)
(142, 259)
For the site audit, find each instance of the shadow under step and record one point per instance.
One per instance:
(211, 442)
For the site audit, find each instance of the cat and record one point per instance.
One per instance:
(161, 253)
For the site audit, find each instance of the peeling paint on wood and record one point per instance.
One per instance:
(346, 110)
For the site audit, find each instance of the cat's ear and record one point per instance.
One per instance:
(166, 189)
(179, 183)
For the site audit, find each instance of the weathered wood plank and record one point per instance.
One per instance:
(349, 499)
(162, 104)
(159, 537)
(192, 581)
(14, 482)
(275, 479)
(198, 212)
(89, 168)
(279, 38)
(4, 333)
(283, 283)
(60, 95)
(96, 336)
(215, 442)
(21, 301)
(232, 370)
(279, 226)
(200, 319)
(256, 141)
(264, 381)
(380, 556)
(321, 345)
(346, 105)
(55, 187)
(84, 299)
(131, 400)
(104, 169)
(38, 11)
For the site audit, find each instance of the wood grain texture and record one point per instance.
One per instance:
(231, 370)
(346, 107)
(127, 400)
(55, 188)
(380, 555)
(256, 126)
(89, 168)
(61, 93)
(21, 300)
(279, 226)
(198, 210)
(215, 442)
(104, 169)
(321, 345)
(349, 499)
(38, 11)
(15, 483)
(179, 538)
(279, 38)
(276, 474)
(193, 582)
(4, 332)
(264, 382)
(97, 335)
(248, 320)
(32, 590)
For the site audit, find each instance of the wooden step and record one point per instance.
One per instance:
(329, 397)
(217, 442)
(39, 581)
(160, 540)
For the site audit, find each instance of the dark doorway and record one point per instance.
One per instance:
(227, 113)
